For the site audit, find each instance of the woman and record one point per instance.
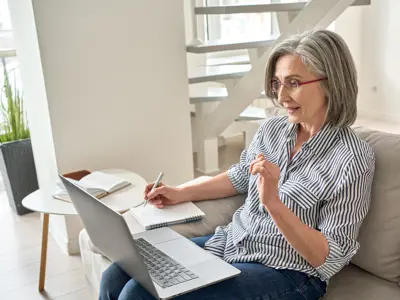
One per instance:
(308, 179)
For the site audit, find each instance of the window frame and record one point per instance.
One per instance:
(212, 23)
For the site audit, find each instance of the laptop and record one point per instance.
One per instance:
(164, 262)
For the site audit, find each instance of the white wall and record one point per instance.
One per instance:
(372, 33)
(349, 26)
(380, 60)
(111, 79)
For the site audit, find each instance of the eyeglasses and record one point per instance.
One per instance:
(291, 85)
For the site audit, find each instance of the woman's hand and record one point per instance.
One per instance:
(164, 195)
(268, 178)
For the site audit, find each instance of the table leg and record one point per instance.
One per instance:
(43, 257)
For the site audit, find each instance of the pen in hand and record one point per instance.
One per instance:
(155, 185)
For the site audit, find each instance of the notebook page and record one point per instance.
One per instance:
(102, 180)
(150, 215)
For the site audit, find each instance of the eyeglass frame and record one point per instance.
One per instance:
(298, 83)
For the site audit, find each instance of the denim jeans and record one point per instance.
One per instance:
(256, 282)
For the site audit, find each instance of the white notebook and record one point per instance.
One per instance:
(151, 217)
(97, 183)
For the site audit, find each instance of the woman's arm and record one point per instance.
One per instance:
(332, 246)
(308, 242)
(216, 187)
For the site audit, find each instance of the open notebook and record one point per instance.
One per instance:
(151, 217)
(98, 184)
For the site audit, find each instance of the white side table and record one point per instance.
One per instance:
(120, 201)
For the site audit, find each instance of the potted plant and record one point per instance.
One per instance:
(17, 165)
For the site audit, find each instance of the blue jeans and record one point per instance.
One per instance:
(256, 282)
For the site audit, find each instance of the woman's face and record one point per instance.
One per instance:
(305, 104)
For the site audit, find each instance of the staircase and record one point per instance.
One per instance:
(226, 104)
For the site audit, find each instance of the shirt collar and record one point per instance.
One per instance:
(320, 141)
(292, 132)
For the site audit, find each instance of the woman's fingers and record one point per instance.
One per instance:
(260, 169)
(258, 159)
(270, 168)
(157, 191)
(255, 164)
(148, 188)
(157, 203)
(263, 166)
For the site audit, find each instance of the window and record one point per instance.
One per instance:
(238, 26)
(6, 44)
(250, 26)
(6, 36)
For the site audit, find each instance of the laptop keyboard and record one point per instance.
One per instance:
(163, 269)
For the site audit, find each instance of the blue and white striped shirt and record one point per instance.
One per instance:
(327, 185)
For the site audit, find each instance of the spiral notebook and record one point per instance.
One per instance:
(151, 217)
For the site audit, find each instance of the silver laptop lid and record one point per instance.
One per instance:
(109, 232)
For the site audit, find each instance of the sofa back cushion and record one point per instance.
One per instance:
(380, 232)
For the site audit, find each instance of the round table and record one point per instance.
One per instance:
(119, 201)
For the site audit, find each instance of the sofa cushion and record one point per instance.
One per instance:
(380, 232)
(353, 283)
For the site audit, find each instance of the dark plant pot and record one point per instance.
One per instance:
(18, 170)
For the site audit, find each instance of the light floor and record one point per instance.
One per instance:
(20, 238)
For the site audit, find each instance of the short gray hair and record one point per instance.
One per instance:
(326, 54)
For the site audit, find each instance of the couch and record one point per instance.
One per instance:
(374, 273)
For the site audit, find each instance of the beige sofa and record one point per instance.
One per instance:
(374, 273)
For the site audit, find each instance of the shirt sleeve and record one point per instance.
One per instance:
(239, 173)
(340, 221)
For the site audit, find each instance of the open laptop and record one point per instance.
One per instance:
(164, 262)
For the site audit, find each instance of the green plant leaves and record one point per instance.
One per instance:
(14, 126)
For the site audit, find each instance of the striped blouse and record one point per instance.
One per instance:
(327, 184)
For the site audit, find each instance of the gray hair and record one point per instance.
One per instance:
(326, 54)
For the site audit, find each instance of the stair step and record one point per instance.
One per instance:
(258, 8)
(216, 73)
(248, 8)
(8, 53)
(251, 113)
(229, 60)
(209, 94)
(226, 45)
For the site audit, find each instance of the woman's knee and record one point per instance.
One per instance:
(200, 241)
(112, 282)
(134, 291)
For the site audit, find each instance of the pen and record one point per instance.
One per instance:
(155, 185)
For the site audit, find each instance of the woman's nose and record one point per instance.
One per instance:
(282, 100)
(283, 95)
